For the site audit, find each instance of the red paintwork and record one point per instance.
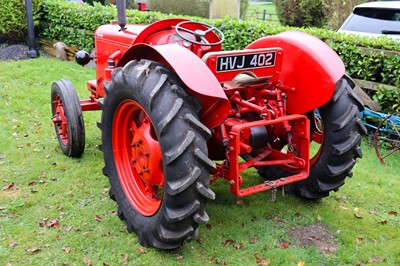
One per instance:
(138, 157)
(236, 107)
(206, 88)
(60, 120)
(310, 69)
(300, 161)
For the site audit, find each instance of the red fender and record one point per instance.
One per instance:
(194, 74)
(310, 69)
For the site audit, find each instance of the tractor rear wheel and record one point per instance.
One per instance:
(155, 154)
(336, 132)
(68, 118)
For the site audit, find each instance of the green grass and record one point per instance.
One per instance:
(255, 11)
(74, 192)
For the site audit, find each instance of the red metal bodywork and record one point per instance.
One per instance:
(310, 69)
(254, 113)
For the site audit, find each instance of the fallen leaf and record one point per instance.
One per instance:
(284, 245)
(125, 259)
(239, 202)
(375, 259)
(12, 244)
(227, 242)
(33, 250)
(253, 218)
(97, 218)
(87, 261)
(2, 208)
(262, 261)
(141, 250)
(48, 156)
(383, 222)
(359, 239)
(33, 183)
(54, 223)
(392, 213)
(253, 240)
(67, 228)
(34, 191)
(341, 206)
(373, 212)
(209, 226)
(313, 238)
(67, 249)
(199, 240)
(301, 263)
(10, 186)
(47, 245)
(41, 181)
(53, 178)
(239, 246)
(358, 216)
(319, 218)
(179, 258)
(42, 223)
(25, 195)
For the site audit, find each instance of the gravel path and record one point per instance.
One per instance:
(16, 52)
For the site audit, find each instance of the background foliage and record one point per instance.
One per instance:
(302, 13)
(13, 25)
(199, 8)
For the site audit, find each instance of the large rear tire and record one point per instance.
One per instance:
(337, 131)
(68, 118)
(155, 154)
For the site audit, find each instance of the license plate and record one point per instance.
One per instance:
(245, 61)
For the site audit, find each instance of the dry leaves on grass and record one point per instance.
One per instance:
(53, 223)
(9, 186)
(87, 261)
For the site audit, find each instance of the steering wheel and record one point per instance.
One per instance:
(199, 34)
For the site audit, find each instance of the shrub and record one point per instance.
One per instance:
(13, 23)
(199, 8)
(302, 13)
(389, 100)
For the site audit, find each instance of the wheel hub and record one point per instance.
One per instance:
(138, 157)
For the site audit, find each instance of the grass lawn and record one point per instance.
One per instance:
(56, 210)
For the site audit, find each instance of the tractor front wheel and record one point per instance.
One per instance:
(155, 154)
(68, 118)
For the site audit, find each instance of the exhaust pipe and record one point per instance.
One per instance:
(32, 51)
(121, 9)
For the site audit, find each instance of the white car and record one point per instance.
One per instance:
(374, 19)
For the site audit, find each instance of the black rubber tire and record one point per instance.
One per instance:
(65, 91)
(182, 138)
(342, 133)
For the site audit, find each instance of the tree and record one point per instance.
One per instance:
(302, 13)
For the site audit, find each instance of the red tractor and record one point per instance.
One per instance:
(179, 113)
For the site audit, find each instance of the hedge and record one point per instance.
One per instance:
(13, 23)
(74, 24)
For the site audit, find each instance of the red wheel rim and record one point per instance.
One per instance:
(59, 120)
(138, 157)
